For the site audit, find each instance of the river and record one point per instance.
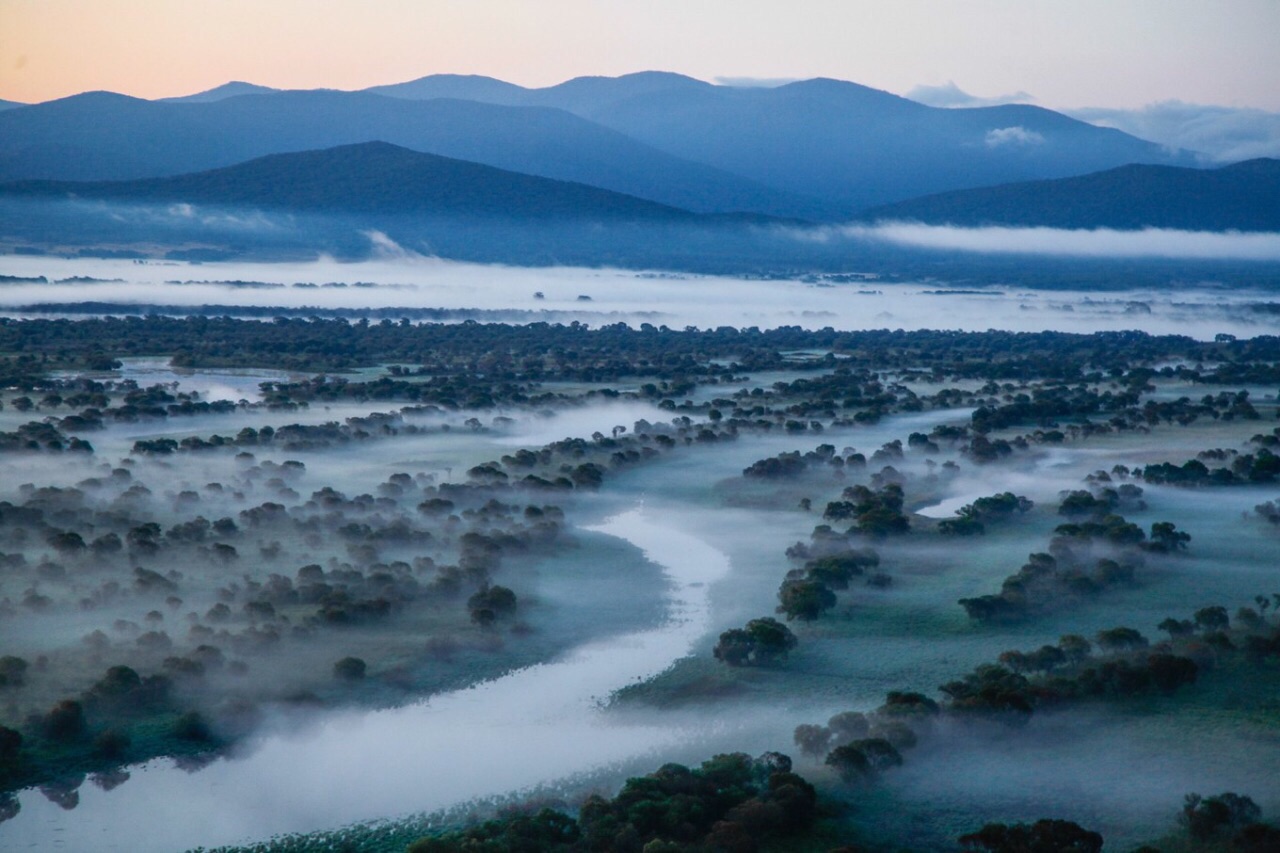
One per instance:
(532, 726)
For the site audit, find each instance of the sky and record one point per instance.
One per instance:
(1082, 53)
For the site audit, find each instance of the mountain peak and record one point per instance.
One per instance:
(843, 88)
(226, 90)
(474, 87)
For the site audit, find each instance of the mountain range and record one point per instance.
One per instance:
(648, 171)
(378, 178)
(823, 150)
(849, 145)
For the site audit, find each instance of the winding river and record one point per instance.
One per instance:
(532, 726)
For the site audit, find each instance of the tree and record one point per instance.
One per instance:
(1169, 672)
(1121, 639)
(349, 669)
(762, 642)
(1212, 618)
(10, 743)
(1015, 660)
(193, 727)
(67, 543)
(491, 603)
(1075, 647)
(1046, 658)
(863, 759)
(111, 743)
(13, 671)
(1209, 817)
(734, 647)
(1166, 537)
(848, 726)
(65, 721)
(880, 753)
(850, 762)
(804, 599)
(1044, 836)
(1257, 838)
(812, 740)
(1176, 627)
(907, 703)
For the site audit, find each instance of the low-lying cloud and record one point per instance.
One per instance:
(386, 249)
(1095, 243)
(1012, 137)
(952, 96)
(1218, 134)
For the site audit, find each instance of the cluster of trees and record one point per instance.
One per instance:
(730, 802)
(98, 541)
(1100, 501)
(1260, 467)
(294, 438)
(94, 400)
(40, 436)
(95, 726)
(809, 591)
(1125, 664)
(859, 747)
(1049, 403)
(1228, 817)
(846, 387)
(1001, 689)
(875, 513)
(761, 642)
(1269, 510)
(1073, 570)
(784, 465)
(1129, 664)
(791, 464)
(1049, 835)
(972, 519)
(1046, 582)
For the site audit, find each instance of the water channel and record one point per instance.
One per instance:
(531, 726)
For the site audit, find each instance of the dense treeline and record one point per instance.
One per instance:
(731, 802)
(326, 344)
(1119, 664)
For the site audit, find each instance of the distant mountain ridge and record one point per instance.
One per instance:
(1242, 197)
(104, 136)
(816, 149)
(852, 146)
(370, 177)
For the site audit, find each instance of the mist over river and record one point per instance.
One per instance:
(658, 559)
(532, 727)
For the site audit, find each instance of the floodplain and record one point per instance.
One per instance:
(413, 577)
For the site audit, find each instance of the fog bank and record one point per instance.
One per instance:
(1095, 243)
(451, 291)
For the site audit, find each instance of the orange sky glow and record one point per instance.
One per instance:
(1120, 53)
